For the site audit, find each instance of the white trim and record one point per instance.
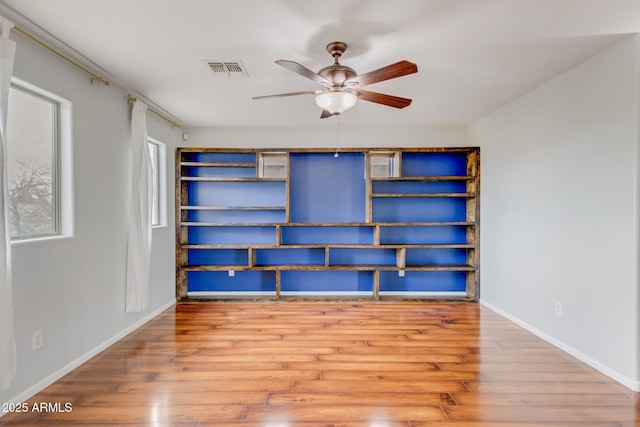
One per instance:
(230, 293)
(423, 294)
(327, 293)
(55, 376)
(613, 374)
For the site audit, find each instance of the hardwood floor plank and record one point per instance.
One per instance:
(329, 386)
(539, 399)
(174, 399)
(368, 366)
(281, 423)
(160, 414)
(245, 358)
(339, 413)
(345, 356)
(547, 414)
(407, 375)
(333, 364)
(597, 386)
(320, 351)
(532, 367)
(362, 398)
(205, 386)
(228, 375)
(455, 353)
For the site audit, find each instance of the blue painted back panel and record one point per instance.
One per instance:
(404, 187)
(237, 216)
(218, 172)
(354, 256)
(220, 281)
(237, 193)
(419, 209)
(434, 164)
(326, 235)
(232, 235)
(325, 188)
(427, 256)
(218, 257)
(219, 157)
(423, 281)
(288, 256)
(432, 235)
(326, 281)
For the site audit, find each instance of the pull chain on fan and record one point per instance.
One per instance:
(336, 154)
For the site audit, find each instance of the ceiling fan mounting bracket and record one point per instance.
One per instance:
(336, 49)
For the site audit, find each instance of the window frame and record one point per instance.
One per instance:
(58, 114)
(159, 168)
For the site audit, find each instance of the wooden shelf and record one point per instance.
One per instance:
(218, 164)
(320, 228)
(424, 178)
(304, 224)
(218, 179)
(274, 224)
(233, 208)
(334, 267)
(334, 245)
(468, 195)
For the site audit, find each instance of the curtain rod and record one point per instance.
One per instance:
(93, 75)
(162, 116)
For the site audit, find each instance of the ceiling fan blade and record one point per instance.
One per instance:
(281, 95)
(392, 71)
(381, 98)
(325, 114)
(304, 71)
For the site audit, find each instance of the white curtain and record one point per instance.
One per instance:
(139, 246)
(7, 341)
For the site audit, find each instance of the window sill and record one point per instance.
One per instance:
(40, 239)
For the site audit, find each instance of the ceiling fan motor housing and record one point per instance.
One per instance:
(336, 73)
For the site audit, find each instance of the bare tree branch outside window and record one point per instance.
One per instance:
(31, 151)
(30, 199)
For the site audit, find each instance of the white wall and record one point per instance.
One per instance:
(73, 288)
(324, 135)
(560, 210)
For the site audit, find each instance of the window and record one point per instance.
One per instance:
(157, 153)
(272, 165)
(384, 164)
(32, 163)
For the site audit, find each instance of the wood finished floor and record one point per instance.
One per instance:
(333, 364)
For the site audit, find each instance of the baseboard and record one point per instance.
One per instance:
(55, 376)
(631, 384)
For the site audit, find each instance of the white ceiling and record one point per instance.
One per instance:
(473, 55)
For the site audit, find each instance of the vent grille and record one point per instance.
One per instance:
(228, 68)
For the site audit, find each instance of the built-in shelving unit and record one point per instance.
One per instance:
(368, 223)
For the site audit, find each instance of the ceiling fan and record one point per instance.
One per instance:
(342, 85)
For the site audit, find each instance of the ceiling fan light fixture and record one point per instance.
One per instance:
(336, 102)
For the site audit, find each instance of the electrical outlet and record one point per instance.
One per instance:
(38, 339)
(232, 273)
(400, 273)
(558, 308)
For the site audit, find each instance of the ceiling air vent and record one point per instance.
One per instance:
(228, 68)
